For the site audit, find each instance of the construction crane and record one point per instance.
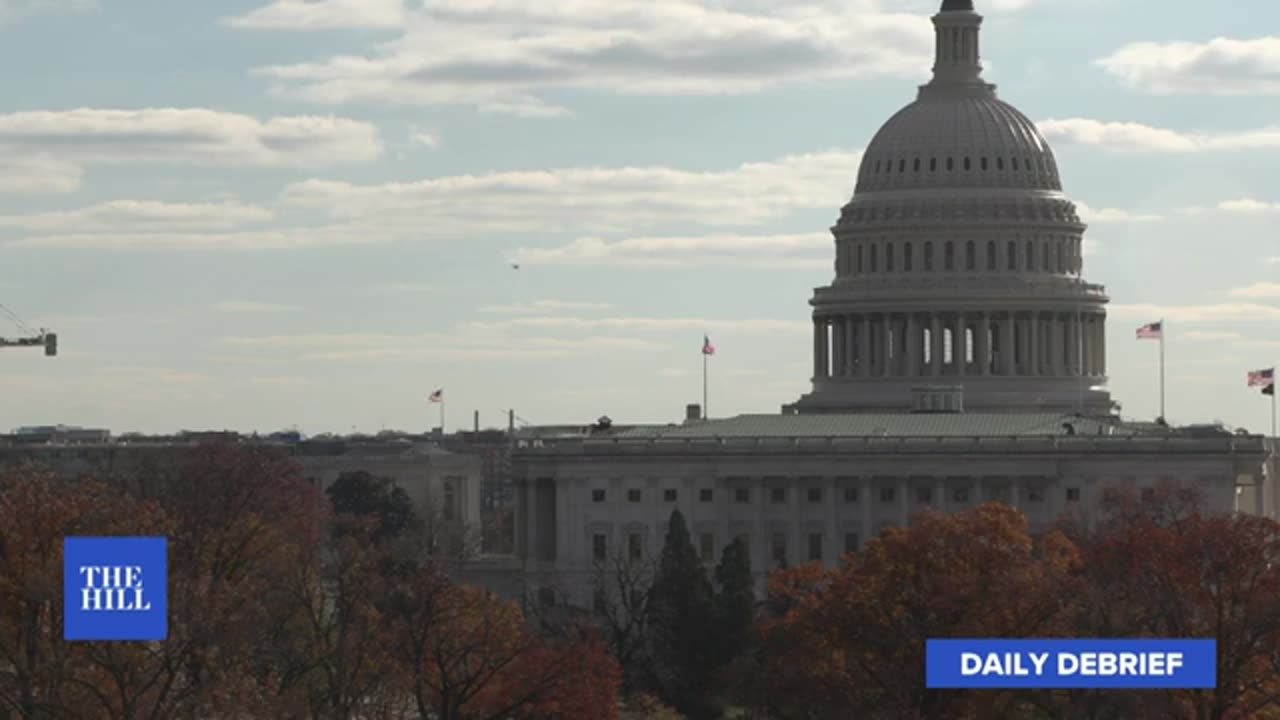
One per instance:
(42, 338)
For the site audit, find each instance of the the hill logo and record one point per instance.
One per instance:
(114, 588)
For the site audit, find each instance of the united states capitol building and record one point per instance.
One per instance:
(959, 357)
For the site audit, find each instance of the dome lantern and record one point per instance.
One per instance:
(956, 56)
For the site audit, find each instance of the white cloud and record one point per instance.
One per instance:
(748, 326)
(542, 306)
(814, 250)
(1274, 260)
(292, 238)
(250, 306)
(599, 199)
(62, 142)
(322, 15)
(1136, 137)
(1199, 313)
(1221, 66)
(1112, 215)
(38, 174)
(141, 215)
(465, 345)
(11, 10)
(1248, 205)
(419, 136)
(1258, 291)
(499, 55)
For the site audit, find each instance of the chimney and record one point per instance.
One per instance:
(511, 422)
(477, 422)
(692, 412)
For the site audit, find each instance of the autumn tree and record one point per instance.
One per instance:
(682, 625)
(360, 493)
(622, 587)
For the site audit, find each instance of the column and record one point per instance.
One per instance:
(983, 341)
(1073, 347)
(1006, 344)
(1055, 344)
(935, 344)
(864, 345)
(1033, 344)
(817, 349)
(1102, 345)
(886, 344)
(837, 346)
(960, 354)
(849, 345)
(911, 368)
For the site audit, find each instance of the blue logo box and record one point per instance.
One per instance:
(1070, 663)
(115, 588)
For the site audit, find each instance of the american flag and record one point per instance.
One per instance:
(707, 347)
(1151, 331)
(1262, 378)
(437, 396)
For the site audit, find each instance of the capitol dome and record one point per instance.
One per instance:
(958, 261)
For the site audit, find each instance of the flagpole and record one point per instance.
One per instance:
(441, 415)
(1162, 334)
(706, 413)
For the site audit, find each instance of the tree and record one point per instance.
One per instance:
(360, 493)
(682, 624)
(735, 602)
(623, 587)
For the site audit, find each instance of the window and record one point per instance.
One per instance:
(741, 495)
(924, 495)
(1013, 255)
(902, 165)
(991, 255)
(877, 166)
(873, 258)
(906, 257)
(916, 166)
(970, 256)
(1073, 494)
(815, 547)
(888, 257)
(887, 494)
(635, 546)
(851, 494)
(633, 495)
(1035, 495)
(966, 163)
(1045, 258)
(778, 496)
(851, 542)
(928, 255)
(778, 549)
(951, 165)
(599, 546)
(815, 495)
(705, 495)
(999, 163)
(1031, 256)
(858, 263)
(1015, 163)
(950, 258)
(933, 164)
(960, 494)
(669, 495)
(597, 495)
(707, 547)
(1061, 264)
(984, 163)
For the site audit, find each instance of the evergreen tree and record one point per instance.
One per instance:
(682, 625)
(735, 602)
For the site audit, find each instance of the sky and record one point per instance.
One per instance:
(260, 215)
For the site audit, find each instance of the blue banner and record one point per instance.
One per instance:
(1074, 663)
(115, 588)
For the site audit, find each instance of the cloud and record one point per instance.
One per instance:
(322, 15)
(807, 250)
(1200, 313)
(38, 174)
(1258, 291)
(286, 382)
(501, 55)
(1248, 205)
(58, 144)
(404, 288)
(12, 10)
(1136, 137)
(542, 306)
(1112, 215)
(465, 345)
(1221, 66)
(418, 136)
(250, 306)
(748, 326)
(292, 238)
(141, 215)
(154, 375)
(596, 198)
(1208, 335)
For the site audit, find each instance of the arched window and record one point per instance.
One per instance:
(933, 164)
(991, 255)
(1031, 256)
(966, 163)
(888, 257)
(951, 165)
(858, 264)
(906, 257)
(877, 166)
(917, 165)
(873, 257)
(928, 256)
(999, 163)
(970, 256)
(1012, 252)
(950, 257)
(902, 165)
(983, 163)
(1015, 164)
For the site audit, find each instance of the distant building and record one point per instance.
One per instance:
(959, 356)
